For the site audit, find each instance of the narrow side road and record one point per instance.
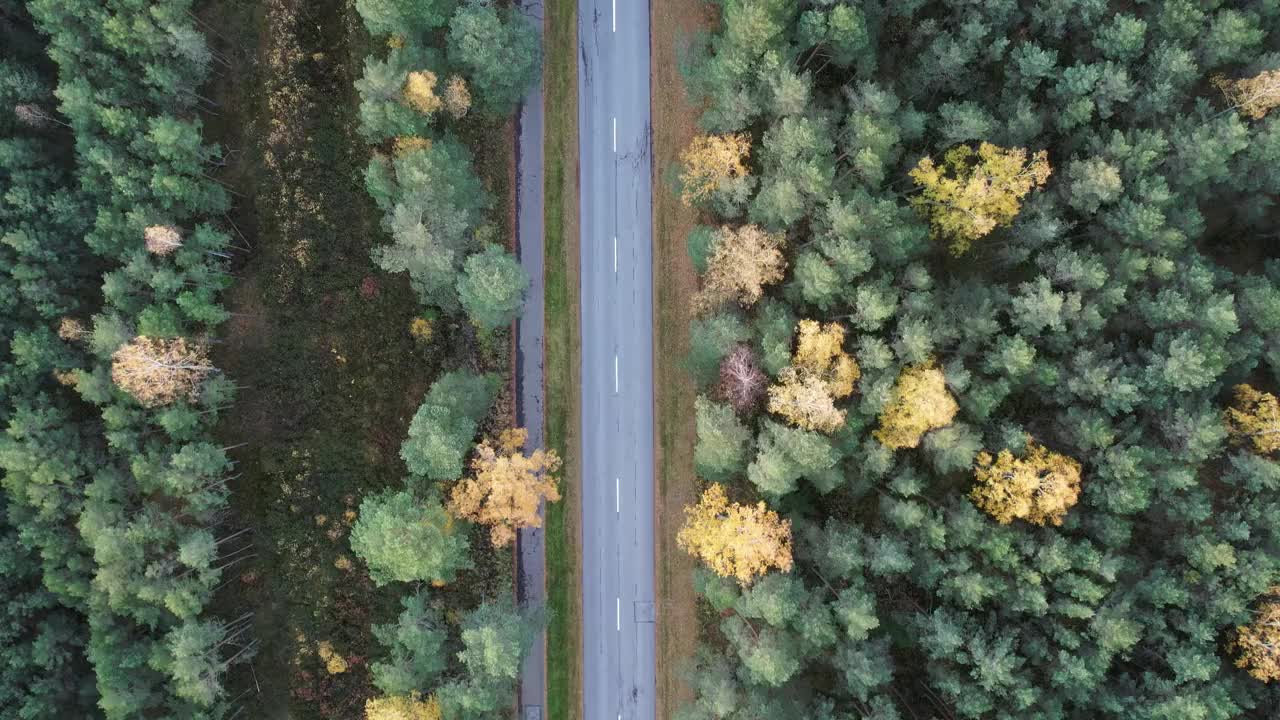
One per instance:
(617, 360)
(531, 575)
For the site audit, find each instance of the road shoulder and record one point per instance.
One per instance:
(673, 22)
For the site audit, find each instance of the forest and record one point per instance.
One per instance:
(129, 538)
(986, 343)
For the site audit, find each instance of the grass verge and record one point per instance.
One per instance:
(560, 147)
(672, 23)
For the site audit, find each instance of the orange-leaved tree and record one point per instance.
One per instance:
(1253, 420)
(742, 262)
(735, 540)
(920, 402)
(975, 191)
(1257, 644)
(1038, 487)
(709, 161)
(506, 486)
(159, 371)
(820, 373)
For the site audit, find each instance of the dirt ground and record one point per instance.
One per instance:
(673, 22)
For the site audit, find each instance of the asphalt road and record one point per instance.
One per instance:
(615, 183)
(531, 555)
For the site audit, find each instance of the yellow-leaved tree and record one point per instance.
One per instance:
(421, 329)
(1254, 97)
(820, 373)
(402, 707)
(457, 97)
(709, 161)
(975, 191)
(160, 371)
(735, 540)
(420, 92)
(743, 261)
(1257, 645)
(506, 486)
(1038, 487)
(406, 144)
(920, 402)
(1253, 420)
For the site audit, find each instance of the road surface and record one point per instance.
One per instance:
(614, 139)
(531, 556)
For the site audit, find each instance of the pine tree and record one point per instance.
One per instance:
(416, 642)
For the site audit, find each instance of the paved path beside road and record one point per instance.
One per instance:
(531, 555)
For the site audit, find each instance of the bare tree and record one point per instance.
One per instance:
(742, 382)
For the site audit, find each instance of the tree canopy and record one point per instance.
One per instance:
(405, 539)
(506, 487)
(1045, 229)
